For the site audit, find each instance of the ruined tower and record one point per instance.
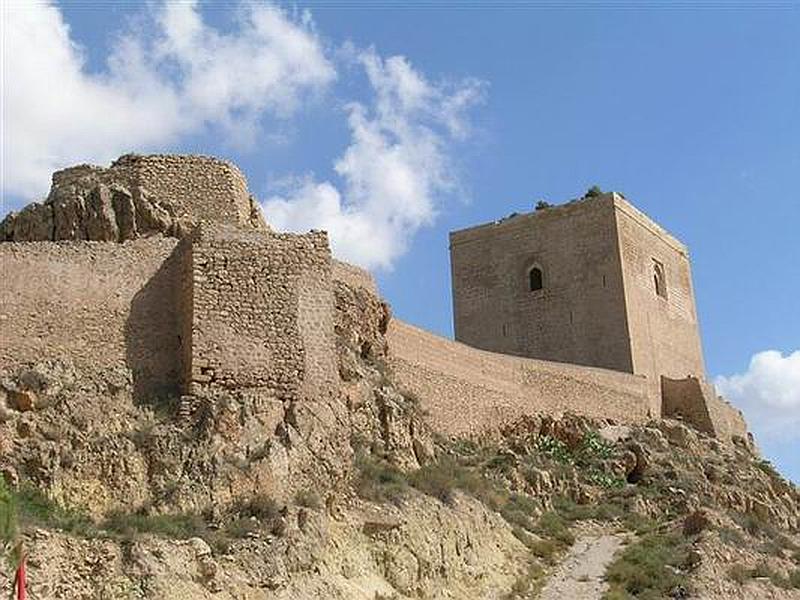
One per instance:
(592, 282)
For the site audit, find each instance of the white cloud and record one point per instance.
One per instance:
(768, 393)
(394, 171)
(171, 76)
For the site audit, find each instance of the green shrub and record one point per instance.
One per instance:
(378, 480)
(553, 448)
(441, 478)
(794, 578)
(172, 526)
(754, 525)
(517, 510)
(8, 516)
(606, 480)
(593, 192)
(241, 527)
(594, 447)
(553, 526)
(731, 537)
(648, 568)
(547, 550)
(34, 508)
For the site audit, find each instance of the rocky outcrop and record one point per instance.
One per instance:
(119, 203)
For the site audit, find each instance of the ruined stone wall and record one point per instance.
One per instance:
(466, 391)
(137, 196)
(578, 316)
(354, 276)
(664, 333)
(262, 313)
(684, 399)
(198, 187)
(105, 307)
(698, 404)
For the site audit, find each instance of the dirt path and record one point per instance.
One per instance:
(580, 574)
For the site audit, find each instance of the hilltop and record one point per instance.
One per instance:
(195, 406)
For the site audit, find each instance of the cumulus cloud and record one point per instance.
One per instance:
(768, 393)
(394, 171)
(170, 76)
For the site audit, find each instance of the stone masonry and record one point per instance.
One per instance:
(261, 313)
(592, 282)
(161, 268)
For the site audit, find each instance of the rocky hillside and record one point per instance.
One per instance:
(114, 496)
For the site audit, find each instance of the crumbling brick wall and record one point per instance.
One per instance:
(262, 312)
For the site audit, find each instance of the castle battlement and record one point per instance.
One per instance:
(159, 270)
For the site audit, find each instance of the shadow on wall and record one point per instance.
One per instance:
(684, 399)
(153, 333)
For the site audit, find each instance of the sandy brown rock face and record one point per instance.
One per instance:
(91, 210)
(136, 196)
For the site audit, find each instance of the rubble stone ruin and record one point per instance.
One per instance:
(162, 266)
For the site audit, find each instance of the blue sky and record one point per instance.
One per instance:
(476, 113)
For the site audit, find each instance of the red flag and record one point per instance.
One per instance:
(21, 595)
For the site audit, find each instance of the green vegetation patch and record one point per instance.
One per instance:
(651, 567)
(378, 480)
(762, 570)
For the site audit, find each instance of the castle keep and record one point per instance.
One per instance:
(161, 268)
(593, 282)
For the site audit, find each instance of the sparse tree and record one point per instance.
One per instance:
(542, 204)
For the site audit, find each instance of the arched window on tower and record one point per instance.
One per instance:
(659, 279)
(535, 279)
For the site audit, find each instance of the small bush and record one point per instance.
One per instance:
(441, 478)
(543, 204)
(649, 568)
(754, 525)
(594, 447)
(547, 550)
(593, 192)
(241, 527)
(517, 511)
(378, 480)
(553, 526)
(527, 584)
(794, 579)
(8, 515)
(308, 499)
(606, 480)
(172, 526)
(261, 506)
(34, 508)
(763, 570)
(554, 448)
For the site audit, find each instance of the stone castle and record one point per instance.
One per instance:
(162, 267)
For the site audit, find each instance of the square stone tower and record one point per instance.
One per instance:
(592, 282)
